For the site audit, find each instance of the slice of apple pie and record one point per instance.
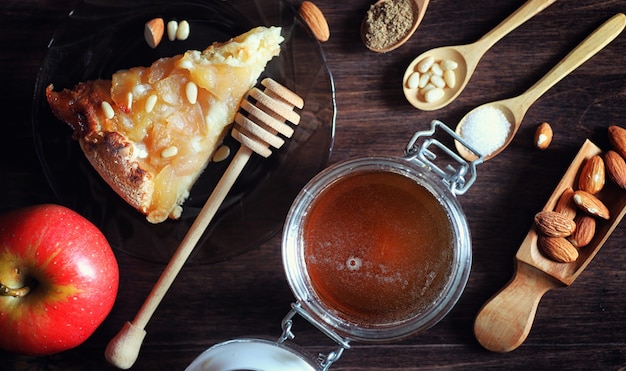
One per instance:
(151, 131)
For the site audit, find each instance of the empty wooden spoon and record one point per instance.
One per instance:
(504, 322)
(370, 29)
(514, 109)
(256, 131)
(467, 56)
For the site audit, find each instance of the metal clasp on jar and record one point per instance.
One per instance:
(325, 360)
(423, 149)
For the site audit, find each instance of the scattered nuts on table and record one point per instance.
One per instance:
(431, 77)
(172, 27)
(183, 30)
(543, 136)
(153, 31)
(315, 19)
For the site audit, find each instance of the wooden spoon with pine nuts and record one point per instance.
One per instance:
(256, 131)
(466, 57)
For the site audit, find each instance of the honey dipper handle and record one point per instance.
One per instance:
(504, 322)
(123, 349)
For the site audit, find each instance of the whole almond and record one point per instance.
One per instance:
(616, 168)
(315, 19)
(543, 136)
(592, 176)
(617, 138)
(554, 224)
(558, 249)
(153, 31)
(590, 204)
(584, 232)
(566, 205)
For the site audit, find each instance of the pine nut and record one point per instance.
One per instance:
(150, 103)
(183, 30)
(436, 69)
(434, 94)
(437, 81)
(172, 28)
(170, 151)
(424, 79)
(191, 91)
(425, 64)
(449, 65)
(109, 113)
(221, 154)
(450, 78)
(413, 81)
(129, 100)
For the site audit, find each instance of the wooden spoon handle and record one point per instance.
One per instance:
(591, 45)
(517, 18)
(504, 322)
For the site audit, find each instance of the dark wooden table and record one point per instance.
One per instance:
(582, 326)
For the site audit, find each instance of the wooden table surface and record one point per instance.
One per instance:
(582, 326)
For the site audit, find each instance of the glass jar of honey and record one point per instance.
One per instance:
(376, 249)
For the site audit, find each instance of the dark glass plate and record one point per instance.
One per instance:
(101, 37)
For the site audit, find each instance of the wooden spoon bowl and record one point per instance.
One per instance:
(505, 320)
(419, 9)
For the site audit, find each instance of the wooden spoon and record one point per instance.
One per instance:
(514, 109)
(419, 9)
(256, 132)
(505, 320)
(467, 56)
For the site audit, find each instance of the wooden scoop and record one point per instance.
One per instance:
(505, 320)
(256, 132)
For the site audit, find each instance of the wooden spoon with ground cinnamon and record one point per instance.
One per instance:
(388, 24)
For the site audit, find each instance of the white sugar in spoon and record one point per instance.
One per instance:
(256, 133)
(514, 109)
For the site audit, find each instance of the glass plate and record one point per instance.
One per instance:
(101, 37)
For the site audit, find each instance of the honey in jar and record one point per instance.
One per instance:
(378, 247)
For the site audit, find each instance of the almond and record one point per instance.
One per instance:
(616, 168)
(543, 135)
(558, 249)
(315, 19)
(566, 205)
(553, 224)
(590, 204)
(617, 138)
(584, 232)
(592, 175)
(153, 31)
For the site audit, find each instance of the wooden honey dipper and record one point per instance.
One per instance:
(257, 132)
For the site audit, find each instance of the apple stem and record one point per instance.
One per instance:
(18, 293)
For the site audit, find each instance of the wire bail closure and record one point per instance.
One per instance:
(459, 178)
(325, 360)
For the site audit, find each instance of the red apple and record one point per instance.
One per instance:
(58, 279)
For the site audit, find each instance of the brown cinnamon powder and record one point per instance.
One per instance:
(388, 22)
